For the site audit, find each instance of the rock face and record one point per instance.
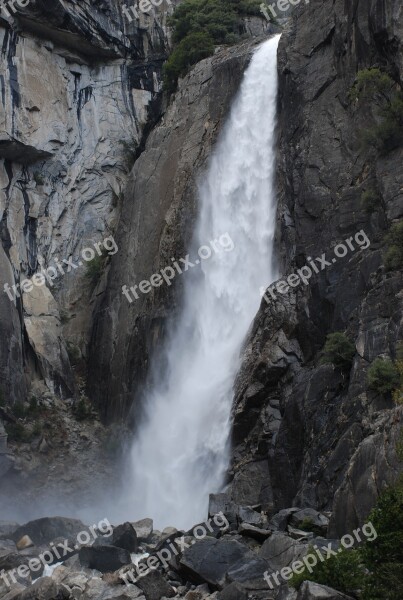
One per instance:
(78, 85)
(305, 434)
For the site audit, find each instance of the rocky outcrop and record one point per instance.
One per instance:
(79, 83)
(304, 432)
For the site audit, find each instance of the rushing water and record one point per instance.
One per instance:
(181, 450)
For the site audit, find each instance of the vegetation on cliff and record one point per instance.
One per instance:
(198, 26)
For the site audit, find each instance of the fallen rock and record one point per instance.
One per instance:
(281, 519)
(233, 591)
(247, 514)
(249, 572)
(309, 519)
(314, 591)
(125, 536)
(209, 560)
(43, 531)
(155, 586)
(280, 550)
(105, 559)
(25, 542)
(254, 532)
(143, 529)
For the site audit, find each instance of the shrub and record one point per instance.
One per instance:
(370, 200)
(383, 557)
(74, 353)
(17, 432)
(343, 572)
(338, 351)
(394, 254)
(375, 86)
(198, 25)
(188, 52)
(383, 376)
(95, 268)
(82, 409)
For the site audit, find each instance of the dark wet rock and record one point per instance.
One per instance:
(105, 559)
(43, 531)
(124, 536)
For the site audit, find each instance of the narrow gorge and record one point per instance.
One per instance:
(201, 353)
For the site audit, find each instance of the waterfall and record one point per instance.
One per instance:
(181, 450)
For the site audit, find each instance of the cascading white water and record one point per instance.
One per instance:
(181, 451)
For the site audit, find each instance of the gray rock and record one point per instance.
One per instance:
(233, 591)
(281, 519)
(254, 532)
(280, 550)
(314, 591)
(249, 572)
(312, 519)
(144, 529)
(246, 514)
(155, 586)
(209, 560)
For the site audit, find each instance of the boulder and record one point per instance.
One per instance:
(125, 536)
(314, 591)
(280, 550)
(209, 560)
(105, 559)
(254, 532)
(249, 572)
(43, 531)
(154, 586)
(246, 514)
(281, 519)
(143, 529)
(221, 503)
(24, 542)
(233, 591)
(309, 519)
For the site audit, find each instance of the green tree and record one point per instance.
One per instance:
(199, 25)
(338, 351)
(383, 376)
(383, 557)
(374, 87)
